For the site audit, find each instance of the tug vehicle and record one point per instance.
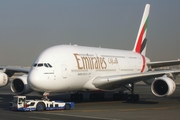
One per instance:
(20, 103)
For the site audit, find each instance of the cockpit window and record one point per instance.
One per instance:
(45, 64)
(40, 65)
(35, 64)
(49, 65)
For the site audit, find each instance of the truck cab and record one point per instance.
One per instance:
(18, 102)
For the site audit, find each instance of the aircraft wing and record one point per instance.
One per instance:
(163, 63)
(10, 70)
(115, 81)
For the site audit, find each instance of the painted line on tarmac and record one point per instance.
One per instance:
(39, 118)
(94, 103)
(80, 116)
(158, 108)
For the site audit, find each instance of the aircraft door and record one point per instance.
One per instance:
(64, 71)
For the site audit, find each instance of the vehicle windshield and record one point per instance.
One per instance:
(21, 100)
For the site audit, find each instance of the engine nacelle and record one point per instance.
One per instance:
(163, 86)
(19, 85)
(4, 79)
(149, 81)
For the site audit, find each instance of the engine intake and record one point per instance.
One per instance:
(163, 86)
(4, 79)
(19, 85)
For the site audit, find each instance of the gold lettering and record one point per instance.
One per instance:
(105, 65)
(96, 63)
(85, 62)
(90, 62)
(112, 61)
(77, 60)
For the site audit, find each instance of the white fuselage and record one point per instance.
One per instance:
(65, 68)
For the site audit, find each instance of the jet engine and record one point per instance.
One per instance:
(163, 86)
(149, 81)
(4, 79)
(20, 86)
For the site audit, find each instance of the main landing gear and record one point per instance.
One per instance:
(99, 96)
(96, 96)
(128, 97)
(77, 96)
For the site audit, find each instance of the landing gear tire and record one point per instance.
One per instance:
(133, 98)
(136, 97)
(77, 97)
(120, 96)
(96, 96)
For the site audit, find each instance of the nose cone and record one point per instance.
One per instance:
(35, 80)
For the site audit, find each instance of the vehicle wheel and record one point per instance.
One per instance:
(40, 106)
(67, 107)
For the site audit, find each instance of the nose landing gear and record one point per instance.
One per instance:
(45, 96)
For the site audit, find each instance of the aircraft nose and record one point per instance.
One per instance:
(34, 80)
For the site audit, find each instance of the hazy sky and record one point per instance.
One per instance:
(27, 27)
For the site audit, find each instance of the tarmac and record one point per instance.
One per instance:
(148, 108)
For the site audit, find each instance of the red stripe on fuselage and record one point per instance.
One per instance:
(144, 62)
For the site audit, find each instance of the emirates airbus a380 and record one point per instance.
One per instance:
(73, 68)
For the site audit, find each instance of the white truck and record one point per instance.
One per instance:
(22, 104)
